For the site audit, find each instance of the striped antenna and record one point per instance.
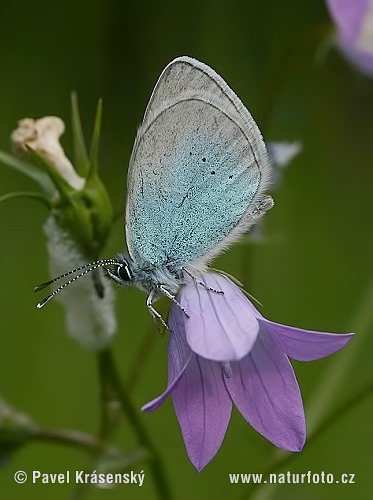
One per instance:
(87, 269)
(47, 283)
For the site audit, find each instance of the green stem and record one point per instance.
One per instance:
(109, 370)
(146, 346)
(69, 438)
(106, 401)
(287, 458)
(86, 442)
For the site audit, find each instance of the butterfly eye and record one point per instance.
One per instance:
(124, 273)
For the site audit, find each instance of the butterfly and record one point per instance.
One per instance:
(197, 178)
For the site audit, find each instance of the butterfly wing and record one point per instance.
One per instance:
(198, 169)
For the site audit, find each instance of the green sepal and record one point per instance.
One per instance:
(251, 297)
(86, 214)
(73, 215)
(238, 283)
(97, 199)
(93, 156)
(232, 278)
(81, 158)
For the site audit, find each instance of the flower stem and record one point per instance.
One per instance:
(69, 438)
(86, 442)
(108, 400)
(109, 370)
(146, 346)
(287, 458)
(145, 349)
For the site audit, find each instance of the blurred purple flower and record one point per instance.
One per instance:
(225, 353)
(354, 19)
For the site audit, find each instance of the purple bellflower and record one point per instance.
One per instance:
(354, 20)
(226, 353)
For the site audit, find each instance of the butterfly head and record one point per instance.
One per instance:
(120, 271)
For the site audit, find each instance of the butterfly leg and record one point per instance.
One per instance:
(198, 282)
(153, 312)
(169, 295)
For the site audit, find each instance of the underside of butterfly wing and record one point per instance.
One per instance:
(198, 170)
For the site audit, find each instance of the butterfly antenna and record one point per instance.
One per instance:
(88, 268)
(47, 283)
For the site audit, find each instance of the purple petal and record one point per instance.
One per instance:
(354, 19)
(203, 408)
(221, 327)
(179, 355)
(265, 391)
(361, 59)
(348, 16)
(305, 345)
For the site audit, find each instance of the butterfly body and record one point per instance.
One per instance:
(196, 182)
(150, 276)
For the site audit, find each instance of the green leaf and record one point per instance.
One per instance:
(81, 159)
(95, 140)
(28, 169)
(26, 194)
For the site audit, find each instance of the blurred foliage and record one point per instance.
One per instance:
(314, 270)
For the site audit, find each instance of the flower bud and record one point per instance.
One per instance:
(79, 222)
(81, 206)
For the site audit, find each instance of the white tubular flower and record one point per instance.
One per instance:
(43, 136)
(90, 319)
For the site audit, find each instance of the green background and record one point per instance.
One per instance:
(314, 269)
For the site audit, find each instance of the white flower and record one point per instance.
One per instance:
(43, 136)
